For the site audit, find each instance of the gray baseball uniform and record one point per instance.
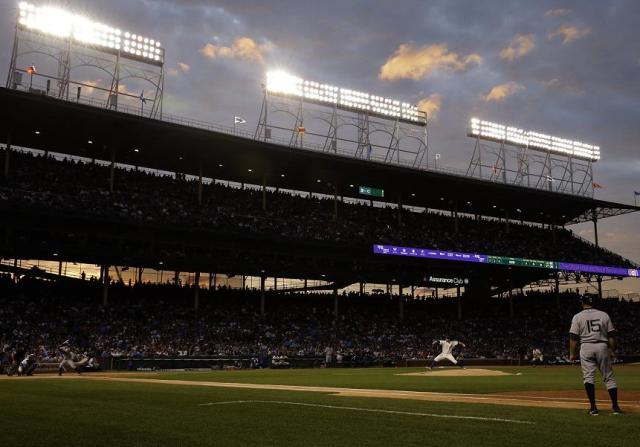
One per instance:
(593, 327)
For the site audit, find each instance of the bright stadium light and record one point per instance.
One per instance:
(283, 83)
(63, 24)
(535, 140)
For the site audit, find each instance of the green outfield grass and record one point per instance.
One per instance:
(95, 413)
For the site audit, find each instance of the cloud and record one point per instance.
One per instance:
(563, 86)
(568, 33)
(409, 62)
(181, 67)
(558, 12)
(501, 92)
(431, 105)
(244, 48)
(519, 46)
(89, 86)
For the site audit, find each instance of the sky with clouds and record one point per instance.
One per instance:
(568, 68)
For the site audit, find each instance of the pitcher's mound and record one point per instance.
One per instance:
(457, 372)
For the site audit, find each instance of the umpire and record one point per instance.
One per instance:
(594, 330)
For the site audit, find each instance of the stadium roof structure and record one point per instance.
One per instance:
(41, 122)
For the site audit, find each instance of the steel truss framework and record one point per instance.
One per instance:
(71, 56)
(519, 165)
(301, 123)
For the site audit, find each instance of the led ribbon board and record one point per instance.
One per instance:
(427, 253)
(59, 23)
(487, 130)
(282, 83)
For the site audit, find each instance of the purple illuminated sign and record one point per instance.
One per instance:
(429, 253)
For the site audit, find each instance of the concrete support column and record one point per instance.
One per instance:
(511, 312)
(262, 281)
(361, 288)
(7, 156)
(176, 277)
(196, 292)
(506, 222)
(112, 169)
(597, 245)
(455, 218)
(140, 270)
(264, 192)
(210, 280)
(595, 230)
(105, 285)
(59, 268)
(200, 185)
(400, 303)
(335, 303)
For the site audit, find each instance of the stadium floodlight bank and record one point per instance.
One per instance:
(57, 48)
(63, 24)
(334, 119)
(280, 82)
(535, 140)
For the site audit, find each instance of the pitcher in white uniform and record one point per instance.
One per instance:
(447, 346)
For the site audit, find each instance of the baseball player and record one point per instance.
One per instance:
(28, 365)
(68, 359)
(596, 334)
(536, 357)
(447, 346)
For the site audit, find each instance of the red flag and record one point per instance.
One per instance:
(597, 185)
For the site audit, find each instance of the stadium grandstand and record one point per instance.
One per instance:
(375, 234)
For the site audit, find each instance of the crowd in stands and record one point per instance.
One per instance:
(153, 320)
(71, 187)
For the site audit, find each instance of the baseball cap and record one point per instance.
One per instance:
(588, 298)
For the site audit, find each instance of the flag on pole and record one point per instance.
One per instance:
(31, 69)
(369, 150)
(597, 185)
(142, 98)
(239, 120)
(301, 129)
(637, 193)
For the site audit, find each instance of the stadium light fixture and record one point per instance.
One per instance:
(56, 22)
(488, 130)
(283, 83)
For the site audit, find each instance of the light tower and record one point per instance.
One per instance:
(530, 158)
(308, 114)
(71, 48)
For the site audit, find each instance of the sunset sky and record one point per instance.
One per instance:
(567, 68)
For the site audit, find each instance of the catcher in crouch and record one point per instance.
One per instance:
(447, 346)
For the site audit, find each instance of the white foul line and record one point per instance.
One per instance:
(369, 410)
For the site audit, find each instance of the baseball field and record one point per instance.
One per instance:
(392, 406)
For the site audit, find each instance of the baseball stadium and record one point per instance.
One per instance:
(322, 269)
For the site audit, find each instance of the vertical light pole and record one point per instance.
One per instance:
(31, 70)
